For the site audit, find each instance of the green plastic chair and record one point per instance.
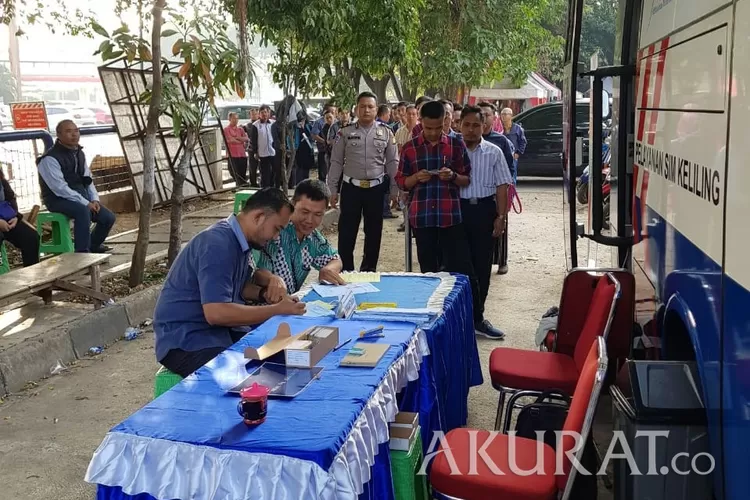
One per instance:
(407, 485)
(4, 264)
(62, 239)
(164, 381)
(240, 197)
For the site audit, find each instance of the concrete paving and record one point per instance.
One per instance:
(35, 337)
(48, 433)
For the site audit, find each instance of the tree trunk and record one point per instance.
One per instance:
(138, 262)
(178, 181)
(378, 86)
(396, 86)
(283, 133)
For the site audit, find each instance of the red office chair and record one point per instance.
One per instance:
(522, 372)
(453, 477)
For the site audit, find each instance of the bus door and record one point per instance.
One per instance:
(572, 141)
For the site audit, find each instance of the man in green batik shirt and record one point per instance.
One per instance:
(287, 259)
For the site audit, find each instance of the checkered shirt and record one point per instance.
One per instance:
(435, 203)
(291, 259)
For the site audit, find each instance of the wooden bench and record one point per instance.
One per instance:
(56, 273)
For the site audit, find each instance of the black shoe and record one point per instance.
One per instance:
(390, 215)
(101, 249)
(401, 228)
(502, 269)
(486, 329)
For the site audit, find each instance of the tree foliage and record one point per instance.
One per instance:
(331, 46)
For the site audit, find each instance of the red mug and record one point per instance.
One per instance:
(253, 405)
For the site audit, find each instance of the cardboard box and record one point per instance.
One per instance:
(303, 350)
(402, 438)
(406, 419)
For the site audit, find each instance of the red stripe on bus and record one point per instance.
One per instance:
(644, 97)
(661, 61)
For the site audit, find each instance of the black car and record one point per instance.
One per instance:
(544, 136)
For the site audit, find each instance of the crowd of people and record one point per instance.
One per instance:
(444, 165)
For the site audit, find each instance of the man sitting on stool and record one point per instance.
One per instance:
(201, 309)
(67, 188)
(286, 261)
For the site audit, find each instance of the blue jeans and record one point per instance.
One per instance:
(84, 241)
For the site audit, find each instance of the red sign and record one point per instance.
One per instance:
(27, 115)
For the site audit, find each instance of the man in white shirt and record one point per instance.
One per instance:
(68, 188)
(263, 146)
(484, 206)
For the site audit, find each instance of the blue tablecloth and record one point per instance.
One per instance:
(441, 397)
(193, 434)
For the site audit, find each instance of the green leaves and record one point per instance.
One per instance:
(101, 31)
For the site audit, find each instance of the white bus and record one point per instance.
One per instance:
(680, 200)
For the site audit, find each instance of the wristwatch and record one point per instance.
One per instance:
(453, 176)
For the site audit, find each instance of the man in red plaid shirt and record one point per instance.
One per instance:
(432, 169)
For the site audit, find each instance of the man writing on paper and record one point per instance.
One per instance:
(203, 300)
(286, 261)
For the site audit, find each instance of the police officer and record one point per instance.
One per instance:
(366, 154)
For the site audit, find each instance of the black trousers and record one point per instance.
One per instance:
(26, 239)
(238, 169)
(478, 223)
(266, 171)
(253, 168)
(500, 255)
(358, 203)
(322, 165)
(183, 363)
(447, 248)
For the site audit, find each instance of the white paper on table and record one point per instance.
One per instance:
(327, 291)
(316, 310)
(361, 277)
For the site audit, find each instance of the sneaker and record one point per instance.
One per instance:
(502, 269)
(390, 215)
(486, 329)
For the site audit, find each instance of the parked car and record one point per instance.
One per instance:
(242, 109)
(544, 135)
(83, 117)
(103, 116)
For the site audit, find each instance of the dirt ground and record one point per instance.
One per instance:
(49, 432)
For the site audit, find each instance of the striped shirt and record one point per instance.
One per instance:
(488, 171)
(291, 259)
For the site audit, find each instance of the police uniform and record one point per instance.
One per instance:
(361, 159)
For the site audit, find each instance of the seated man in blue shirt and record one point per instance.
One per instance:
(287, 259)
(67, 188)
(205, 294)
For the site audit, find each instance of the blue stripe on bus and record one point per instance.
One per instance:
(692, 281)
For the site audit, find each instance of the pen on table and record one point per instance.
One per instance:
(342, 344)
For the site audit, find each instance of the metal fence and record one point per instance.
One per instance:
(18, 153)
(20, 149)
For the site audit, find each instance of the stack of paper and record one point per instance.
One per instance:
(318, 309)
(361, 277)
(417, 316)
(326, 291)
